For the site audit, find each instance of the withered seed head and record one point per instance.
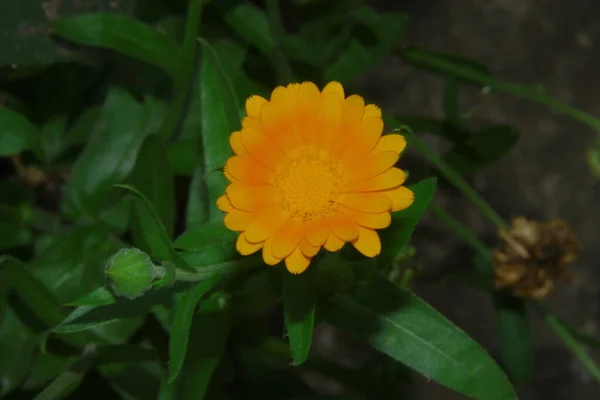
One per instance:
(533, 256)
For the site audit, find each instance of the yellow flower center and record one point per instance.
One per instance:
(308, 185)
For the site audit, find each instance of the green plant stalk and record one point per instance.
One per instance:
(462, 231)
(278, 58)
(571, 342)
(519, 90)
(459, 182)
(209, 271)
(187, 61)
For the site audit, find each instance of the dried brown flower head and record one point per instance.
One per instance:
(533, 256)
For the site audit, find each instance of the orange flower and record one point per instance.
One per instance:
(311, 170)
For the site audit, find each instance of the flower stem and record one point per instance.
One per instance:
(462, 231)
(209, 271)
(278, 58)
(187, 61)
(571, 342)
(534, 95)
(461, 184)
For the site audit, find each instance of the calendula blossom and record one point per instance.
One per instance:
(311, 169)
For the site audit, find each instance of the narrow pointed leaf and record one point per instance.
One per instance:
(208, 337)
(299, 303)
(152, 176)
(123, 34)
(516, 348)
(185, 305)
(219, 105)
(398, 234)
(398, 323)
(17, 133)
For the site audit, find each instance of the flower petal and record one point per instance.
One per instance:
(317, 232)
(237, 220)
(224, 204)
(235, 141)
(367, 202)
(372, 165)
(261, 148)
(371, 110)
(368, 242)
(391, 142)
(244, 247)
(246, 169)
(389, 179)
(265, 225)
(368, 220)
(254, 104)
(286, 239)
(308, 100)
(267, 253)
(250, 197)
(229, 177)
(297, 262)
(335, 88)
(329, 116)
(401, 197)
(333, 243)
(307, 249)
(353, 108)
(277, 128)
(342, 227)
(252, 122)
(370, 133)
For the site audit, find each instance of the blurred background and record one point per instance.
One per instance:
(551, 43)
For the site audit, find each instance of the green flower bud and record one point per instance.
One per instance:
(130, 272)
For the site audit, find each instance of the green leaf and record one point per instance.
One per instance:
(185, 304)
(53, 138)
(110, 154)
(593, 159)
(98, 297)
(14, 235)
(220, 108)
(516, 348)
(357, 58)
(153, 178)
(209, 334)
(451, 99)
(45, 367)
(24, 28)
(17, 133)
(88, 317)
(401, 325)
(67, 381)
(61, 265)
(155, 236)
(398, 234)
(299, 303)
(442, 63)
(32, 292)
(198, 209)
(323, 34)
(205, 236)
(250, 22)
(184, 155)
(123, 34)
(483, 148)
(18, 344)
